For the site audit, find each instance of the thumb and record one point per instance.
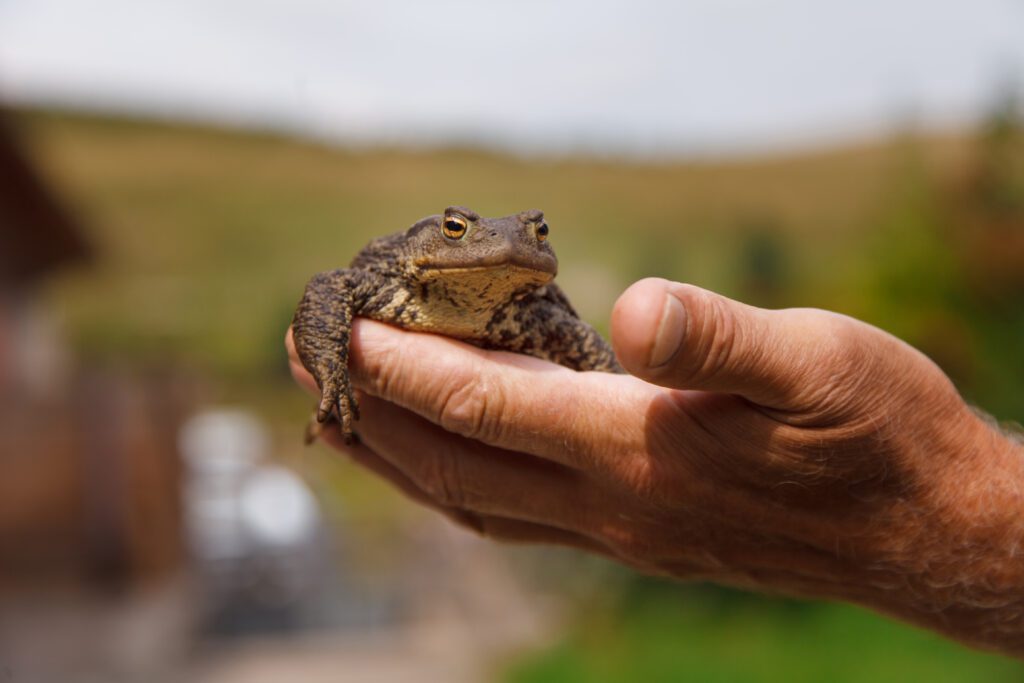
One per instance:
(685, 337)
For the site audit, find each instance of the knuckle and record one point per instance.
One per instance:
(384, 369)
(641, 477)
(826, 365)
(711, 334)
(844, 336)
(440, 477)
(473, 406)
(844, 363)
(721, 335)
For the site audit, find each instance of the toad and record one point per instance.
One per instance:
(486, 281)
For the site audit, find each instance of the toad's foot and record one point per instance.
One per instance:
(338, 399)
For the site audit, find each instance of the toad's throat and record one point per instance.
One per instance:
(460, 301)
(486, 283)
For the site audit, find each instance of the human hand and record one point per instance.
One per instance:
(795, 451)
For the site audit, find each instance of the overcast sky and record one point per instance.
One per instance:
(636, 76)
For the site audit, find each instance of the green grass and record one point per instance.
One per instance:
(691, 636)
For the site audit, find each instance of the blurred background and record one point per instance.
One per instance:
(171, 174)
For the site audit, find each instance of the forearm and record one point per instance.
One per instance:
(956, 563)
(980, 599)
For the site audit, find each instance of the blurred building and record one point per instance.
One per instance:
(37, 237)
(89, 469)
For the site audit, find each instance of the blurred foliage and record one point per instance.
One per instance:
(208, 236)
(657, 633)
(946, 264)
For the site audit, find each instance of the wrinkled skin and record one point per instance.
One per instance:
(793, 451)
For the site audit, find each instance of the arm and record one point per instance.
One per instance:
(791, 451)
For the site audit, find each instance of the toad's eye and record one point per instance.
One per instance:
(542, 231)
(454, 227)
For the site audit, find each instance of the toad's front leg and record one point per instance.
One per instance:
(569, 341)
(545, 325)
(322, 329)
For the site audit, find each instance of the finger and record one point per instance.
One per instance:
(518, 531)
(499, 528)
(459, 473)
(364, 456)
(684, 337)
(585, 420)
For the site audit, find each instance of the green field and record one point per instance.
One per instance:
(666, 635)
(204, 239)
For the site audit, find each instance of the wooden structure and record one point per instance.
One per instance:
(36, 234)
(89, 472)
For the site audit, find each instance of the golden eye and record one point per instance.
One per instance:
(454, 227)
(542, 231)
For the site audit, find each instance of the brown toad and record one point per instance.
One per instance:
(486, 281)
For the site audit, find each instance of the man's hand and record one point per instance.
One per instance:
(794, 451)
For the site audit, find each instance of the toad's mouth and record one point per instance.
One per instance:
(532, 270)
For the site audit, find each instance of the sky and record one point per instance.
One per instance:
(697, 77)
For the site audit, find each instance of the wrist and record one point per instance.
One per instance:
(962, 557)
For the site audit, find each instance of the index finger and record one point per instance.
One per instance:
(585, 420)
(512, 401)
